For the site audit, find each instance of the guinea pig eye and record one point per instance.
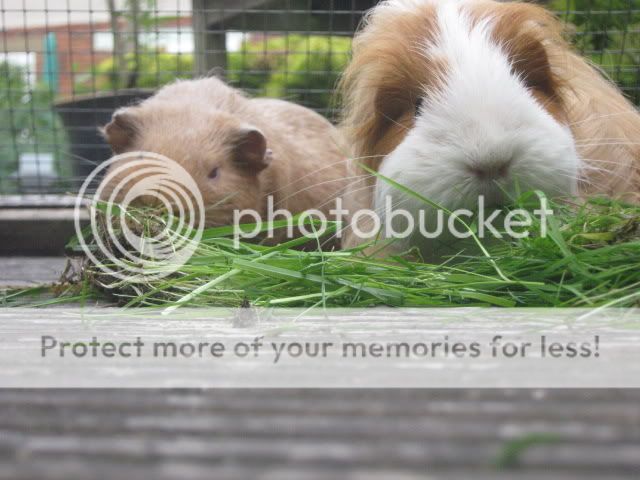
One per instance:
(213, 173)
(418, 104)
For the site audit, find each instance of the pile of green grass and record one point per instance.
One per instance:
(589, 258)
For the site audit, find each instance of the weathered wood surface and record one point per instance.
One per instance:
(316, 434)
(311, 434)
(19, 272)
(75, 346)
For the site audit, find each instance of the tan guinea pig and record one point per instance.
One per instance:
(238, 150)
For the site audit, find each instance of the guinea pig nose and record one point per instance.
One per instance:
(490, 170)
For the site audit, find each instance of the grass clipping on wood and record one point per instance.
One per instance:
(590, 257)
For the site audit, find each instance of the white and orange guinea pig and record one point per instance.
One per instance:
(239, 151)
(457, 99)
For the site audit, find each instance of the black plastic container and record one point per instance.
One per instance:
(82, 118)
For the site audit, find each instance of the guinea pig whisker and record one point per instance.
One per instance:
(216, 210)
(337, 234)
(570, 176)
(361, 189)
(367, 156)
(590, 183)
(315, 172)
(217, 224)
(584, 179)
(618, 176)
(381, 209)
(464, 191)
(593, 182)
(632, 111)
(593, 168)
(350, 192)
(404, 127)
(584, 140)
(597, 162)
(313, 186)
(604, 144)
(209, 208)
(548, 101)
(84, 159)
(601, 162)
(222, 203)
(361, 176)
(340, 231)
(354, 179)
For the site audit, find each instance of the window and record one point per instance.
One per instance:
(26, 61)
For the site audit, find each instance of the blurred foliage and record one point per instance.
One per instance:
(608, 32)
(303, 69)
(27, 124)
(140, 20)
(601, 20)
(154, 69)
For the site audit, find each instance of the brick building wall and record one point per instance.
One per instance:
(75, 49)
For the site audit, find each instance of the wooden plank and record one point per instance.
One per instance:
(283, 16)
(213, 18)
(309, 423)
(307, 434)
(18, 271)
(212, 434)
(37, 201)
(209, 43)
(36, 231)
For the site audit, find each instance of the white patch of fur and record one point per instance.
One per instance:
(484, 114)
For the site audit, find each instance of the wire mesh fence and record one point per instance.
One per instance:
(65, 65)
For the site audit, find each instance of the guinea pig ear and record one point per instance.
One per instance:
(121, 131)
(530, 61)
(250, 150)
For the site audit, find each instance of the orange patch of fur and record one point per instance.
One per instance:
(522, 30)
(386, 76)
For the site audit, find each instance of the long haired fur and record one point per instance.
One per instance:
(387, 73)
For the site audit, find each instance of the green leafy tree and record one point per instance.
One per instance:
(303, 69)
(154, 69)
(310, 74)
(600, 22)
(300, 68)
(27, 124)
(139, 20)
(607, 32)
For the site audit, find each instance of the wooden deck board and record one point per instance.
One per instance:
(315, 434)
(310, 434)
(21, 272)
